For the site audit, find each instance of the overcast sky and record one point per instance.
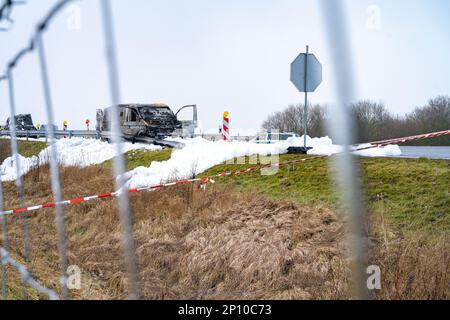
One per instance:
(231, 55)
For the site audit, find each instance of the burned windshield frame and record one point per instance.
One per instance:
(154, 111)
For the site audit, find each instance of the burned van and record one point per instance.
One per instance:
(24, 122)
(148, 120)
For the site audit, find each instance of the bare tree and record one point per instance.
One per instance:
(435, 116)
(291, 120)
(373, 121)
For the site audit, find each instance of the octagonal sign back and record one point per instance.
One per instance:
(306, 65)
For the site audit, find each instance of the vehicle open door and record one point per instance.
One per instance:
(188, 126)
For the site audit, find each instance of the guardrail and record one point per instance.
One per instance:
(33, 134)
(219, 137)
(36, 134)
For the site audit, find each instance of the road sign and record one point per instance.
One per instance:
(306, 72)
(306, 75)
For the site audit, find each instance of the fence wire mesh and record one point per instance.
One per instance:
(347, 171)
(19, 181)
(6, 8)
(37, 42)
(5, 244)
(119, 162)
(334, 17)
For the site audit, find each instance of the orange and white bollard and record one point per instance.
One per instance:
(226, 126)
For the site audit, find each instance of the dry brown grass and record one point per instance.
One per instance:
(415, 269)
(219, 244)
(413, 266)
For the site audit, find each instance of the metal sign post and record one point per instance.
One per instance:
(305, 111)
(306, 75)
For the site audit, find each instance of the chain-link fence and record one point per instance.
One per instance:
(37, 45)
(347, 170)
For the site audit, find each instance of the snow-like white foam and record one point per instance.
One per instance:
(26, 139)
(324, 146)
(71, 152)
(197, 156)
(8, 167)
(388, 151)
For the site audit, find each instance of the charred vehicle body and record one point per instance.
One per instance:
(24, 122)
(148, 120)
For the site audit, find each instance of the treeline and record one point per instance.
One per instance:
(373, 121)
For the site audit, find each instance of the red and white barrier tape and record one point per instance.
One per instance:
(206, 180)
(411, 138)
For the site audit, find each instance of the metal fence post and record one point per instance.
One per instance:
(19, 181)
(54, 170)
(342, 129)
(5, 245)
(118, 162)
(26, 275)
(4, 232)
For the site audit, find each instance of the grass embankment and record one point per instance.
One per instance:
(248, 236)
(137, 158)
(191, 244)
(133, 159)
(412, 193)
(26, 148)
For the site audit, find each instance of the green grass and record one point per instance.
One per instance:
(137, 158)
(26, 148)
(31, 148)
(415, 194)
(307, 183)
(412, 194)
